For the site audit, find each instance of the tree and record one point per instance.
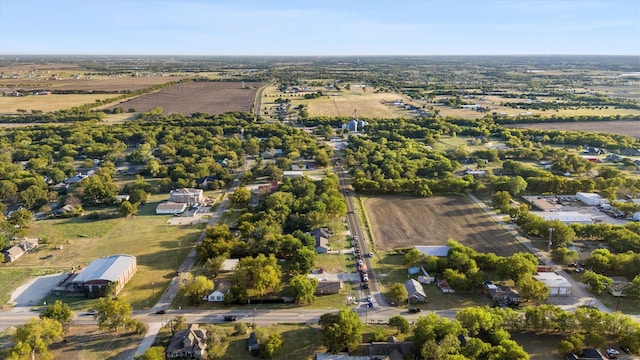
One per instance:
(113, 314)
(516, 185)
(179, 323)
(240, 328)
(22, 218)
(34, 337)
(214, 264)
(138, 196)
(633, 291)
(304, 288)
(128, 209)
(34, 197)
(58, 311)
(240, 197)
(344, 333)
(412, 257)
(398, 293)
(564, 256)
(532, 289)
(400, 323)
(596, 282)
(152, 353)
(270, 346)
(501, 200)
(198, 288)
(517, 266)
(303, 261)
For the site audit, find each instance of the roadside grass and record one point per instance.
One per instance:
(160, 249)
(299, 342)
(89, 343)
(383, 332)
(12, 277)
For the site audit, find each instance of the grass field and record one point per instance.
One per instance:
(401, 222)
(88, 343)
(47, 103)
(160, 249)
(630, 128)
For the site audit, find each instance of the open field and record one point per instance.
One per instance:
(402, 222)
(631, 128)
(46, 103)
(192, 97)
(160, 249)
(87, 342)
(65, 81)
(368, 105)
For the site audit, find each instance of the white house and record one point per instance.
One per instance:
(221, 290)
(187, 195)
(591, 199)
(558, 285)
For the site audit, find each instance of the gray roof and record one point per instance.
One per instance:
(413, 287)
(106, 268)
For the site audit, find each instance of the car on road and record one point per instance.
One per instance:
(369, 298)
(161, 311)
(370, 304)
(365, 285)
(360, 262)
(230, 318)
(370, 255)
(414, 310)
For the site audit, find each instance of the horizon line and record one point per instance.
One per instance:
(312, 55)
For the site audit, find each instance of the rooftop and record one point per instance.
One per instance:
(106, 268)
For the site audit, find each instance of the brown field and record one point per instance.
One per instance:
(631, 128)
(47, 103)
(191, 97)
(402, 222)
(110, 84)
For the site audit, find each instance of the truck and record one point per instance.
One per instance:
(362, 267)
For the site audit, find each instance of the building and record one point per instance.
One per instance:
(439, 251)
(591, 199)
(222, 289)
(502, 294)
(391, 349)
(190, 343)
(322, 239)
(23, 247)
(170, 208)
(415, 291)
(188, 196)
(328, 288)
(558, 285)
(567, 217)
(229, 265)
(93, 280)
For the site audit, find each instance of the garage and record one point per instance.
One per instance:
(558, 285)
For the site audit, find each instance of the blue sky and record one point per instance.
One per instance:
(319, 27)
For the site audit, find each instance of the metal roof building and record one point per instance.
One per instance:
(94, 279)
(436, 250)
(567, 217)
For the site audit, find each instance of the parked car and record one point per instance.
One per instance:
(160, 312)
(230, 318)
(369, 298)
(370, 304)
(370, 255)
(414, 310)
(365, 285)
(625, 349)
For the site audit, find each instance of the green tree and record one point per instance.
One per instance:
(532, 289)
(213, 265)
(34, 338)
(304, 288)
(633, 292)
(398, 293)
(128, 209)
(270, 346)
(516, 185)
(34, 197)
(400, 323)
(152, 353)
(240, 197)
(412, 257)
(113, 314)
(501, 200)
(345, 332)
(597, 283)
(564, 256)
(58, 311)
(517, 266)
(303, 261)
(198, 288)
(96, 190)
(138, 196)
(21, 218)
(240, 328)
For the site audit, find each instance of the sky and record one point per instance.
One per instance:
(319, 27)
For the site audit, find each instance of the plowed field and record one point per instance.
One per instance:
(631, 128)
(402, 222)
(191, 97)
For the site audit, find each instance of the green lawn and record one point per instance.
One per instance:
(299, 342)
(160, 249)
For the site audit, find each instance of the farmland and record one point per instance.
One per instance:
(47, 103)
(630, 128)
(401, 222)
(192, 97)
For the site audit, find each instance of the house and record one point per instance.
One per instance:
(591, 199)
(391, 349)
(322, 239)
(75, 179)
(123, 197)
(254, 343)
(222, 289)
(340, 356)
(558, 285)
(205, 182)
(439, 251)
(415, 291)
(171, 208)
(188, 196)
(502, 293)
(25, 246)
(328, 288)
(95, 278)
(299, 166)
(190, 343)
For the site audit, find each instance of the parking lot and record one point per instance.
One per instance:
(571, 203)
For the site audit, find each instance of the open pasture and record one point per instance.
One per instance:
(192, 97)
(46, 103)
(402, 222)
(368, 105)
(631, 128)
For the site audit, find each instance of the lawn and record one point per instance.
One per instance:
(12, 277)
(159, 248)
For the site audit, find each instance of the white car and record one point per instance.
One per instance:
(613, 352)
(369, 299)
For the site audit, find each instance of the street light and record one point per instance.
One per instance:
(550, 236)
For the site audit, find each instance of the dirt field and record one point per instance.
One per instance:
(401, 222)
(188, 98)
(631, 128)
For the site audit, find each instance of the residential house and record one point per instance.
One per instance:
(222, 289)
(391, 349)
(328, 287)
(502, 294)
(190, 343)
(16, 251)
(188, 196)
(415, 291)
(322, 239)
(205, 182)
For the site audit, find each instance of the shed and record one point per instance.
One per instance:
(558, 285)
(415, 291)
(328, 288)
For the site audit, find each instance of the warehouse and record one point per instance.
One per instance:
(95, 278)
(558, 285)
(591, 199)
(567, 217)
